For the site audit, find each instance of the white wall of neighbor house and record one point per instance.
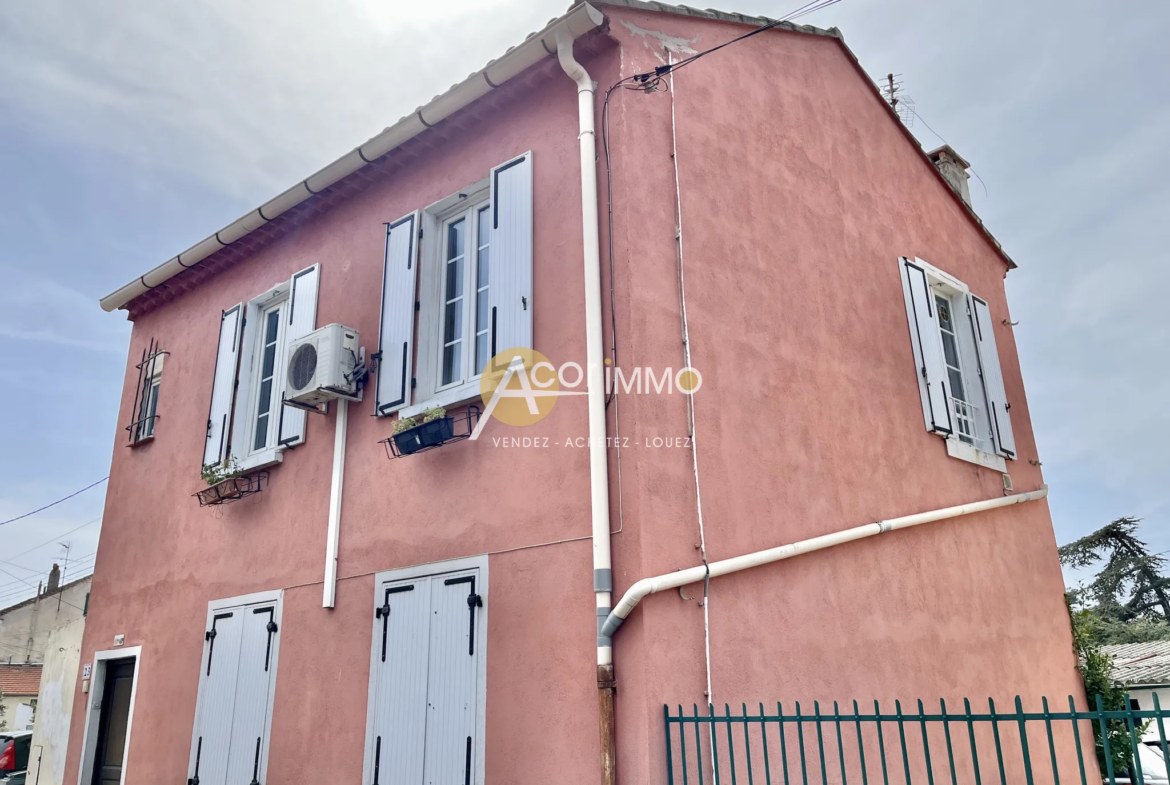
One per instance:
(59, 680)
(16, 712)
(1145, 700)
(25, 628)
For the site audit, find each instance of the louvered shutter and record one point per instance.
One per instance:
(399, 663)
(249, 720)
(223, 385)
(997, 405)
(510, 293)
(302, 320)
(928, 357)
(451, 688)
(396, 333)
(217, 698)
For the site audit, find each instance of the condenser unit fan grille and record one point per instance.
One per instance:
(303, 366)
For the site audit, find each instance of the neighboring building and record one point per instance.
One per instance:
(19, 685)
(26, 626)
(829, 269)
(50, 740)
(1144, 670)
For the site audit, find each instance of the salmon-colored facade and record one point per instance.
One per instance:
(799, 193)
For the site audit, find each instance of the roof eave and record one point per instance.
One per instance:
(579, 20)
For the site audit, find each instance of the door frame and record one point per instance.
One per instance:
(93, 702)
(275, 596)
(426, 571)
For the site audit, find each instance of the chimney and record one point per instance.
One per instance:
(54, 580)
(953, 167)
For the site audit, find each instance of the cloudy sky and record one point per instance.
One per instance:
(129, 132)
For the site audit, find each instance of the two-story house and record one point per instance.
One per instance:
(628, 204)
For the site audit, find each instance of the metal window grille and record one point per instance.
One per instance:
(965, 419)
(793, 746)
(145, 407)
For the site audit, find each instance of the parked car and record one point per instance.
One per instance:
(14, 749)
(1153, 767)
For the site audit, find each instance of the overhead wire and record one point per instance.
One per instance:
(54, 504)
(944, 141)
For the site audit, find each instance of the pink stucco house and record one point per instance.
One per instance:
(465, 614)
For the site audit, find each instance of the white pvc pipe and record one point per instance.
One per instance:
(329, 598)
(674, 580)
(590, 227)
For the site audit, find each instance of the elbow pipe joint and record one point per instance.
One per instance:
(569, 64)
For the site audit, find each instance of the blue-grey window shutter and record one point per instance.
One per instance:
(396, 333)
(928, 356)
(997, 405)
(257, 671)
(510, 294)
(451, 693)
(302, 320)
(401, 642)
(223, 385)
(212, 743)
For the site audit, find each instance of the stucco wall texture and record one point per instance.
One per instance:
(799, 192)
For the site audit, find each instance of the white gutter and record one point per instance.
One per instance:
(333, 535)
(674, 580)
(576, 23)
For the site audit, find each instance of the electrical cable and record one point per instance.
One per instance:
(50, 541)
(944, 141)
(47, 506)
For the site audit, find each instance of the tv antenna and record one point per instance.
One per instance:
(901, 103)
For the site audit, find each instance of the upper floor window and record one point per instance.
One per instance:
(958, 368)
(146, 396)
(247, 421)
(472, 272)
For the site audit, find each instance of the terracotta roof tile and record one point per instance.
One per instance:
(20, 679)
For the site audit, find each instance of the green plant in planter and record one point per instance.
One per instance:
(434, 413)
(404, 424)
(214, 474)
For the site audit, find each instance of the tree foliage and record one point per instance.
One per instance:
(1096, 670)
(1129, 596)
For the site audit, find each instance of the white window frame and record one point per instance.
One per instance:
(430, 390)
(276, 597)
(279, 346)
(147, 413)
(247, 395)
(481, 629)
(950, 287)
(93, 700)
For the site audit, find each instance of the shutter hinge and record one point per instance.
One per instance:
(209, 635)
(271, 626)
(417, 306)
(924, 372)
(382, 612)
(413, 382)
(524, 302)
(474, 601)
(1007, 407)
(420, 232)
(209, 428)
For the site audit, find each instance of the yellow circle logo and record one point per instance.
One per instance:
(519, 386)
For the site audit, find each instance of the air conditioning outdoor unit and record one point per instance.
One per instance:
(321, 366)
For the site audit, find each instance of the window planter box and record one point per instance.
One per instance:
(430, 435)
(232, 489)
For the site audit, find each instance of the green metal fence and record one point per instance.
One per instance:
(795, 746)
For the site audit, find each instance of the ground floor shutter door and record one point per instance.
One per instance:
(217, 697)
(451, 689)
(249, 722)
(401, 640)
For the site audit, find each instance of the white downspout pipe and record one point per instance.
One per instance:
(598, 460)
(329, 597)
(695, 574)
